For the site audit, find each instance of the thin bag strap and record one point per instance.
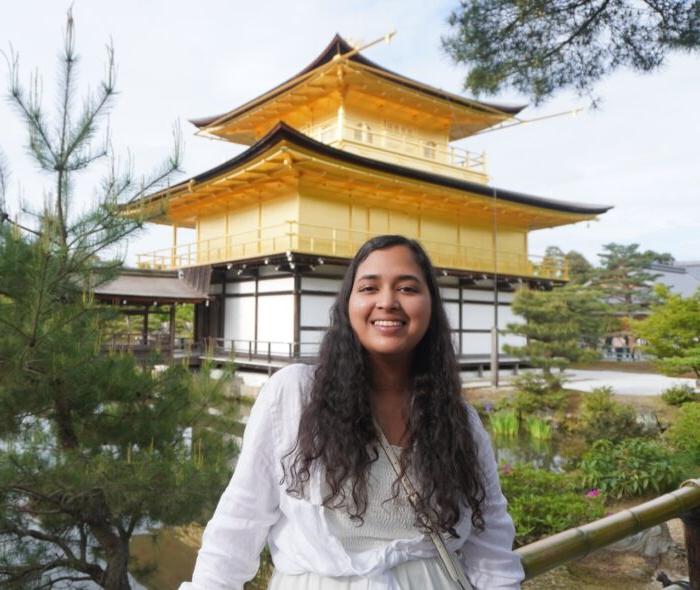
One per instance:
(454, 570)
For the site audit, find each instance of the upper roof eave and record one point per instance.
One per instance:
(283, 132)
(339, 46)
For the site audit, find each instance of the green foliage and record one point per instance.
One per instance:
(602, 417)
(504, 423)
(672, 332)
(536, 394)
(556, 325)
(677, 395)
(543, 503)
(92, 445)
(541, 47)
(538, 428)
(684, 433)
(630, 467)
(625, 281)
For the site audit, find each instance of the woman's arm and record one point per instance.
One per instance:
(488, 556)
(236, 534)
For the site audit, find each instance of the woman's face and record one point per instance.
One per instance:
(390, 303)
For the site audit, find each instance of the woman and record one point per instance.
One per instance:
(312, 480)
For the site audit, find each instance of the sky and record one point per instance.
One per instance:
(179, 59)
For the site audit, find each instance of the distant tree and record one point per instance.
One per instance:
(560, 326)
(539, 47)
(580, 270)
(625, 279)
(672, 332)
(92, 446)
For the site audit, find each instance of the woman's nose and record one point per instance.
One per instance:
(387, 300)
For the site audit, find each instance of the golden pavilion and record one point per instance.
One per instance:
(342, 151)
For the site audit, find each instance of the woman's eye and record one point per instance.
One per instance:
(408, 289)
(366, 289)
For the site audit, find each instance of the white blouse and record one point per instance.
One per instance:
(255, 509)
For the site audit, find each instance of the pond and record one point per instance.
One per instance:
(522, 448)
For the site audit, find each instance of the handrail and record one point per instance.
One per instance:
(325, 241)
(422, 150)
(546, 554)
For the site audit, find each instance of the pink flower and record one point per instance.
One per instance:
(506, 468)
(594, 493)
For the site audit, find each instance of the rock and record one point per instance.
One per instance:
(651, 542)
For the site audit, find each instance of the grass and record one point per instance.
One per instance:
(538, 428)
(504, 423)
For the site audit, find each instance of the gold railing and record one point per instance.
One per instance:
(325, 241)
(550, 552)
(404, 149)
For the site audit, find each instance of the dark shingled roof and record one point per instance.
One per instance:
(149, 285)
(338, 45)
(283, 132)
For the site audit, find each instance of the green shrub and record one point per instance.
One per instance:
(543, 503)
(604, 418)
(538, 428)
(535, 394)
(504, 423)
(677, 395)
(684, 433)
(631, 467)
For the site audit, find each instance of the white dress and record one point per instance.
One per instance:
(386, 519)
(255, 509)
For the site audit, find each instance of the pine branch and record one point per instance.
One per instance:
(30, 110)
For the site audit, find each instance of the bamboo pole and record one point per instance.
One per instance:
(546, 554)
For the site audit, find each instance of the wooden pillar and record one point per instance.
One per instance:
(296, 348)
(144, 328)
(691, 524)
(171, 333)
(173, 253)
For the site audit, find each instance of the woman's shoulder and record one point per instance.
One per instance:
(290, 380)
(284, 393)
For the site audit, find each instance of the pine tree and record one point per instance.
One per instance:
(539, 47)
(560, 327)
(92, 446)
(626, 281)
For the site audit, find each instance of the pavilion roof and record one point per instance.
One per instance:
(339, 46)
(146, 286)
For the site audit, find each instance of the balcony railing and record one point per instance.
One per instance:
(327, 241)
(403, 149)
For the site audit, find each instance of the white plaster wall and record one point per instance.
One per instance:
(452, 310)
(280, 284)
(320, 284)
(476, 344)
(315, 310)
(476, 316)
(239, 321)
(276, 322)
(310, 341)
(240, 287)
(449, 293)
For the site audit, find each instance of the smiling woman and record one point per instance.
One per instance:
(367, 471)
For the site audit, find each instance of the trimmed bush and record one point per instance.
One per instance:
(684, 433)
(677, 395)
(604, 418)
(543, 503)
(631, 467)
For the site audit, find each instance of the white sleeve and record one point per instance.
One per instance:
(235, 536)
(487, 556)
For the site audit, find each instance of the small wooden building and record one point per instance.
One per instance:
(343, 151)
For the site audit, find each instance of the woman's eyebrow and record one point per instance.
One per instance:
(399, 278)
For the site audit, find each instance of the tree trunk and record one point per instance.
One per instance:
(116, 576)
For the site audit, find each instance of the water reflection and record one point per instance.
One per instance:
(542, 454)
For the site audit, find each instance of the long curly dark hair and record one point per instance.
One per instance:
(337, 427)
